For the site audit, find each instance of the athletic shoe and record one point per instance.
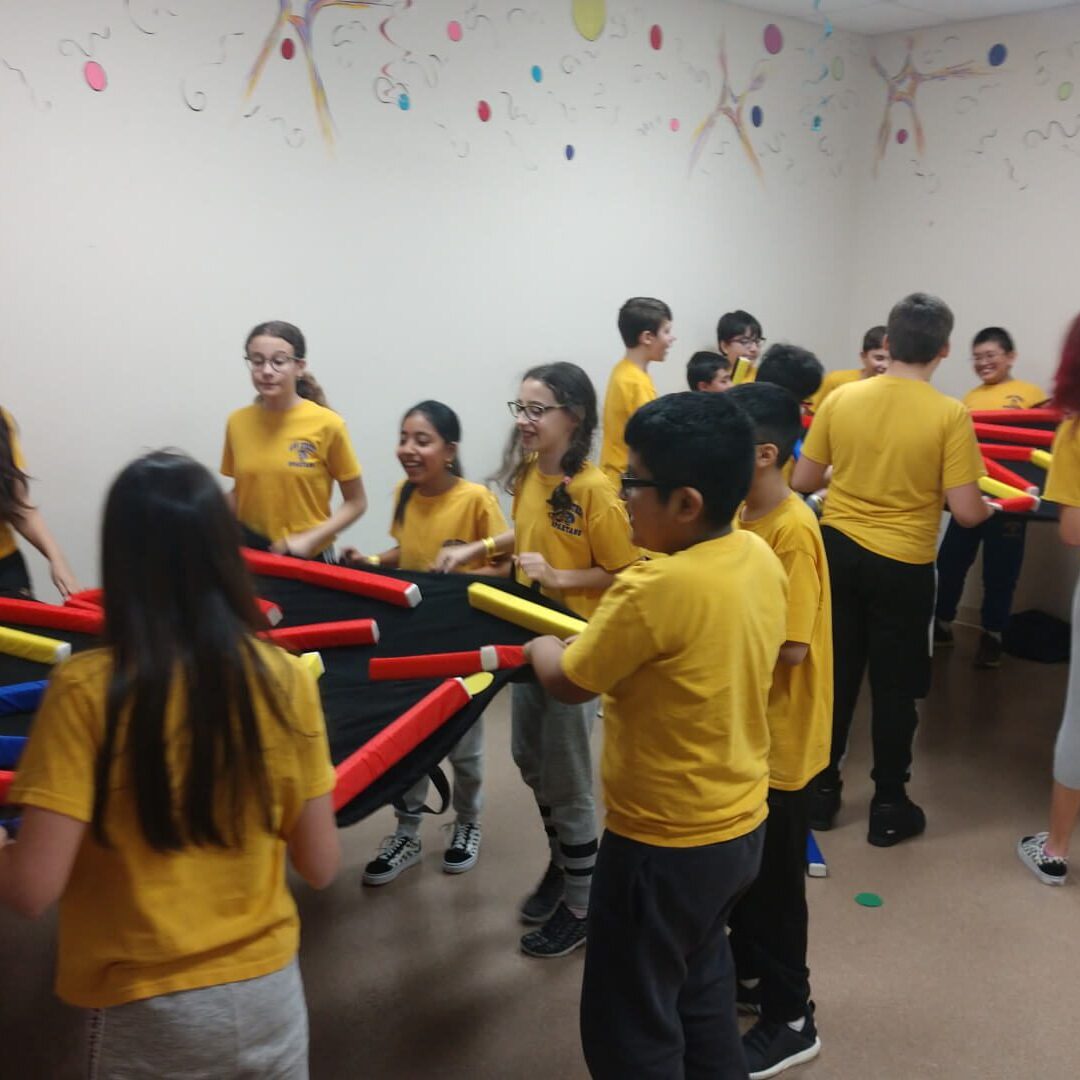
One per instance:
(894, 821)
(396, 853)
(561, 934)
(824, 802)
(464, 848)
(1049, 869)
(772, 1048)
(543, 901)
(988, 654)
(943, 635)
(748, 998)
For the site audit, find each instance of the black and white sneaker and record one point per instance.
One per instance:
(892, 822)
(541, 903)
(396, 853)
(1049, 869)
(772, 1048)
(561, 934)
(825, 801)
(464, 849)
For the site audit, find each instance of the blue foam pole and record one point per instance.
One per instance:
(815, 861)
(11, 747)
(21, 697)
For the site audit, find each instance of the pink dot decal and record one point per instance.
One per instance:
(483, 110)
(674, 124)
(901, 136)
(656, 37)
(774, 40)
(288, 48)
(94, 74)
(453, 30)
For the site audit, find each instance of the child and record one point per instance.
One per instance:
(875, 360)
(686, 743)
(436, 512)
(1002, 537)
(709, 372)
(1045, 854)
(16, 513)
(166, 778)
(645, 327)
(898, 447)
(286, 451)
(738, 334)
(797, 370)
(769, 924)
(570, 536)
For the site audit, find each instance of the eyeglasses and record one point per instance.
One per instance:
(530, 411)
(746, 342)
(277, 361)
(629, 483)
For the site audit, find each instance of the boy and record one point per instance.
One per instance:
(769, 924)
(1002, 538)
(708, 372)
(738, 333)
(874, 357)
(686, 741)
(897, 448)
(797, 370)
(645, 327)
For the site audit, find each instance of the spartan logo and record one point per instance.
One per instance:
(305, 454)
(566, 521)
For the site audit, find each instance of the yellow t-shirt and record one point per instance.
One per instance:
(1063, 479)
(465, 513)
(831, 381)
(628, 389)
(684, 648)
(800, 701)
(1010, 394)
(7, 533)
(136, 923)
(895, 445)
(594, 532)
(285, 465)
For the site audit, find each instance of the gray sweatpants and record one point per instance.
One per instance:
(550, 744)
(1067, 748)
(467, 761)
(256, 1029)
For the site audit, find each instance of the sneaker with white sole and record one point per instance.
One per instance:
(396, 853)
(1049, 869)
(541, 903)
(464, 849)
(772, 1048)
(561, 934)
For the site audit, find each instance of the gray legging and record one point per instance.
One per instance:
(1067, 749)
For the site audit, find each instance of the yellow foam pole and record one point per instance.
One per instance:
(990, 486)
(478, 683)
(1042, 458)
(524, 613)
(742, 372)
(313, 661)
(43, 650)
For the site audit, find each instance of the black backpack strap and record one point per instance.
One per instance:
(442, 786)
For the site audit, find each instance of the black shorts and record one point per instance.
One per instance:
(15, 577)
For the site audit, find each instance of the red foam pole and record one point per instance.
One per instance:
(270, 610)
(1007, 476)
(94, 598)
(1022, 504)
(1003, 452)
(442, 665)
(325, 635)
(30, 613)
(7, 778)
(807, 420)
(510, 656)
(1017, 416)
(367, 764)
(1029, 436)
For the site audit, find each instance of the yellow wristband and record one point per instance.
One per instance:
(489, 546)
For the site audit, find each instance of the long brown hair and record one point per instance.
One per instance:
(12, 479)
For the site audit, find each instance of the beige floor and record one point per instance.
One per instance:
(971, 969)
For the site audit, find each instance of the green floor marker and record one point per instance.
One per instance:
(869, 899)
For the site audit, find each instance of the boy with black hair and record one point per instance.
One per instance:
(874, 358)
(897, 447)
(645, 327)
(738, 333)
(709, 372)
(769, 924)
(686, 743)
(797, 370)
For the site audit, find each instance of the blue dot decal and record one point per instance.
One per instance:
(757, 117)
(537, 73)
(997, 55)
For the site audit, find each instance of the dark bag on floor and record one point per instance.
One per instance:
(1034, 635)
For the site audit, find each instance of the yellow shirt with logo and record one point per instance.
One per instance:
(285, 465)
(628, 389)
(1063, 479)
(595, 531)
(831, 381)
(800, 701)
(7, 533)
(684, 649)
(134, 922)
(895, 446)
(1010, 394)
(465, 513)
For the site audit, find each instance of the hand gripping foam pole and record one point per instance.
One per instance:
(43, 650)
(524, 613)
(384, 587)
(1017, 416)
(990, 486)
(404, 734)
(1027, 436)
(442, 665)
(1007, 476)
(1024, 504)
(31, 613)
(324, 635)
(11, 748)
(21, 697)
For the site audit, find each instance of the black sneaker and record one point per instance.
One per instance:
(772, 1048)
(541, 903)
(748, 998)
(825, 802)
(1049, 869)
(561, 934)
(891, 822)
(396, 853)
(464, 849)
(988, 654)
(943, 635)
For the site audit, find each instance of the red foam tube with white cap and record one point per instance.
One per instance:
(442, 665)
(52, 616)
(325, 635)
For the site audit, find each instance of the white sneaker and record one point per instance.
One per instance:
(396, 853)
(1049, 869)
(464, 849)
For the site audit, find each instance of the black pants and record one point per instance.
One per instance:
(769, 924)
(881, 617)
(15, 577)
(250, 538)
(658, 996)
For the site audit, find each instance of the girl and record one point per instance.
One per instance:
(570, 536)
(17, 513)
(436, 512)
(286, 451)
(1046, 853)
(166, 778)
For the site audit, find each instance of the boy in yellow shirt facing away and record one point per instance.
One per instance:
(898, 447)
(686, 744)
(874, 357)
(645, 327)
(769, 924)
(708, 372)
(1002, 538)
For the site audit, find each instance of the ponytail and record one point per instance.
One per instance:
(12, 478)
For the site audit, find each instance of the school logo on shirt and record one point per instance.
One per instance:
(305, 454)
(566, 521)
(1013, 401)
